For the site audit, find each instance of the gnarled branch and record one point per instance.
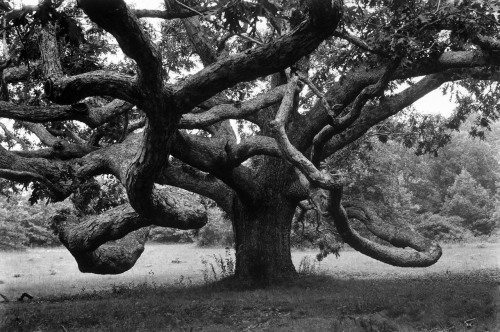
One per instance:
(425, 252)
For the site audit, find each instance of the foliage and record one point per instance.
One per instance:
(24, 225)
(308, 266)
(468, 200)
(95, 196)
(308, 231)
(443, 228)
(217, 267)
(218, 230)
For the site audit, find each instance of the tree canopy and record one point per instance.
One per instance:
(309, 77)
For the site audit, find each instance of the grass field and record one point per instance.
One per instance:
(167, 291)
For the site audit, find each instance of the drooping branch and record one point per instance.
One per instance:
(424, 253)
(24, 176)
(90, 240)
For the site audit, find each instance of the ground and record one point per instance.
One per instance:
(167, 290)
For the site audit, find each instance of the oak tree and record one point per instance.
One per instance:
(310, 77)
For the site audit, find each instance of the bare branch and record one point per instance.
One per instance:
(261, 60)
(60, 148)
(93, 117)
(315, 90)
(339, 124)
(13, 137)
(23, 176)
(179, 12)
(69, 90)
(232, 111)
(359, 43)
(189, 178)
(115, 17)
(297, 159)
(346, 90)
(391, 105)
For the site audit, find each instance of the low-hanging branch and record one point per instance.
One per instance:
(424, 252)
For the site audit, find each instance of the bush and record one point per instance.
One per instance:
(443, 228)
(217, 267)
(484, 226)
(26, 225)
(218, 231)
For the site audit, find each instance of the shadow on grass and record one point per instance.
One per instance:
(309, 303)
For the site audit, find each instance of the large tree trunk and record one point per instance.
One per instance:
(262, 240)
(262, 228)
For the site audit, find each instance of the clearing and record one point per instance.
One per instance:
(166, 290)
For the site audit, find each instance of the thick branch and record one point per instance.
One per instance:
(352, 83)
(295, 157)
(214, 156)
(199, 40)
(261, 60)
(425, 252)
(205, 184)
(69, 90)
(117, 19)
(93, 117)
(232, 111)
(337, 125)
(392, 105)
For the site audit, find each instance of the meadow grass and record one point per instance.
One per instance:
(352, 293)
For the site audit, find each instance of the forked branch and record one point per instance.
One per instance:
(290, 152)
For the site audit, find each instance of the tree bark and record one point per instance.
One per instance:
(262, 240)
(262, 227)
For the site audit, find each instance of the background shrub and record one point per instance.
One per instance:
(443, 228)
(218, 231)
